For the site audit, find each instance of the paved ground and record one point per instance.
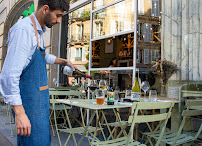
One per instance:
(7, 139)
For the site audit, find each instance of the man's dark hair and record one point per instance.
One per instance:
(54, 4)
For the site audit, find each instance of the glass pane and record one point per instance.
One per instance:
(117, 79)
(114, 19)
(113, 52)
(100, 3)
(79, 37)
(148, 40)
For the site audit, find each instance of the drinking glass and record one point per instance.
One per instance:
(100, 96)
(152, 95)
(93, 85)
(145, 87)
(102, 85)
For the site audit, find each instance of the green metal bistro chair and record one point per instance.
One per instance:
(138, 118)
(194, 108)
(59, 108)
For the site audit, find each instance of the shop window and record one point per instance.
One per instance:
(155, 8)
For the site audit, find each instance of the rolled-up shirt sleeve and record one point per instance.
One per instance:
(50, 58)
(19, 46)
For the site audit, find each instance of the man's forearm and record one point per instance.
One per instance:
(62, 61)
(18, 109)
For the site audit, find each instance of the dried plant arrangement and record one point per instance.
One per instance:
(165, 69)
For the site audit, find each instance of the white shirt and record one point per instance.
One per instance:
(22, 43)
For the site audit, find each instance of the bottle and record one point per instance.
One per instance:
(69, 72)
(135, 95)
(110, 96)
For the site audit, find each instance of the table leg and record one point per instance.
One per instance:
(86, 128)
(107, 124)
(98, 123)
(119, 121)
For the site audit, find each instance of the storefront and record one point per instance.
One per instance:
(136, 34)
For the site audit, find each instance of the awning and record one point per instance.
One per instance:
(82, 68)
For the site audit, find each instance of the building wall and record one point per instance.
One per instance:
(182, 37)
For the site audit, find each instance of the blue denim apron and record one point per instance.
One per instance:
(35, 98)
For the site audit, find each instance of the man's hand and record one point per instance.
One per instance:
(62, 61)
(22, 122)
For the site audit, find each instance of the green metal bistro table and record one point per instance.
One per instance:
(91, 105)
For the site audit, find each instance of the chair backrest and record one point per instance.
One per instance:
(139, 107)
(193, 108)
(64, 93)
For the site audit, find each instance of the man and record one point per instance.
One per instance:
(24, 76)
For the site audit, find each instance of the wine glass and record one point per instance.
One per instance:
(93, 85)
(102, 85)
(145, 87)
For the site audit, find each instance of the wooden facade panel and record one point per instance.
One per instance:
(174, 36)
(167, 30)
(184, 40)
(179, 38)
(195, 25)
(184, 50)
(190, 34)
(200, 39)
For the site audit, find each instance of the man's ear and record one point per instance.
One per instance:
(45, 9)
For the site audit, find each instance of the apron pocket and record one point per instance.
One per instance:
(44, 100)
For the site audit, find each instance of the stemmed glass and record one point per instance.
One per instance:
(145, 87)
(93, 85)
(102, 85)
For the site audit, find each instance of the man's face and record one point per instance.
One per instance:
(53, 17)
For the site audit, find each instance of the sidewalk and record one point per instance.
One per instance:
(7, 140)
(4, 141)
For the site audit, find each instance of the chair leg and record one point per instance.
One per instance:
(57, 128)
(51, 124)
(67, 139)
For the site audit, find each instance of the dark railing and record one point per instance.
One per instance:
(78, 58)
(80, 38)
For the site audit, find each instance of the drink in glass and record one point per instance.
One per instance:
(100, 100)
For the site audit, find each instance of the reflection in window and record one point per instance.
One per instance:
(116, 18)
(117, 79)
(79, 32)
(78, 56)
(99, 3)
(140, 7)
(155, 8)
(98, 29)
(147, 32)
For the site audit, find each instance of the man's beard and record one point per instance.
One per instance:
(47, 21)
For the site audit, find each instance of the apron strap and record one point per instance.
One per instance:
(34, 24)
